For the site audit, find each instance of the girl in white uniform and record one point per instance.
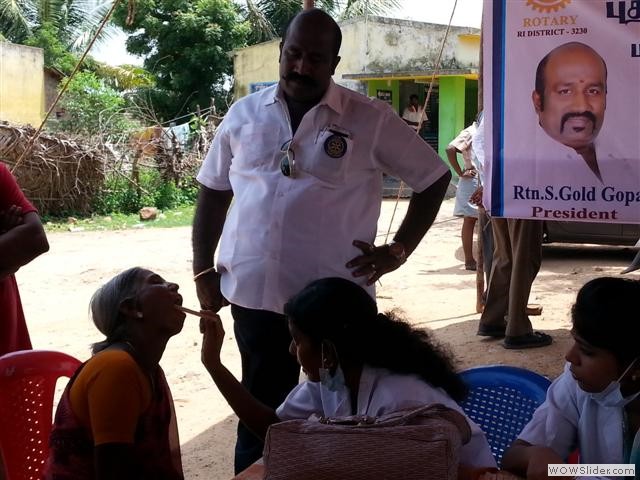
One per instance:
(357, 360)
(594, 406)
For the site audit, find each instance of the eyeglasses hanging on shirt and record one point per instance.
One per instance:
(288, 161)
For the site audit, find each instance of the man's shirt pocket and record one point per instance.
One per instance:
(329, 159)
(253, 145)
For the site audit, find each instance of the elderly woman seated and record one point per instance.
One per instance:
(116, 417)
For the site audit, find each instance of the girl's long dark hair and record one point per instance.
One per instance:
(342, 312)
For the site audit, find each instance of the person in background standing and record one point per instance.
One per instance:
(467, 185)
(413, 113)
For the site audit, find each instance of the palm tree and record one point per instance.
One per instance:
(76, 21)
(268, 18)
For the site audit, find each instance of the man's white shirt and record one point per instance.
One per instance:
(281, 233)
(414, 115)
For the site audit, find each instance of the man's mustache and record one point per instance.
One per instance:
(586, 114)
(308, 81)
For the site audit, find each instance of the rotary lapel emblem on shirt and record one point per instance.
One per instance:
(335, 146)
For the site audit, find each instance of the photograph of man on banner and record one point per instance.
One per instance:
(563, 140)
(570, 98)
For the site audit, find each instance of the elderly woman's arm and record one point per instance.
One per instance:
(254, 414)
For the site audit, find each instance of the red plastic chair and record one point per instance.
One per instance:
(27, 386)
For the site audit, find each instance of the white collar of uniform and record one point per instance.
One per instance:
(331, 97)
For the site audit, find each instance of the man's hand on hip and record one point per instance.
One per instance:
(208, 290)
(376, 261)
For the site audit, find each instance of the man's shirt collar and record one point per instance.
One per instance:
(331, 97)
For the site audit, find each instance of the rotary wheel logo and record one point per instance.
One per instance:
(548, 6)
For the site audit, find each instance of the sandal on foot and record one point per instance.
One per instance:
(491, 331)
(530, 340)
(473, 266)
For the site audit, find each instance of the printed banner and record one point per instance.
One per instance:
(562, 109)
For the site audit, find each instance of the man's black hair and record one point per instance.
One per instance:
(542, 66)
(412, 96)
(337, 33)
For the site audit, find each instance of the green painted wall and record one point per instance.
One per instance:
(458, 109)
(393, 85)
(471, 102)
(451, 115)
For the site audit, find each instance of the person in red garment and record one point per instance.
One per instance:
(22, 239)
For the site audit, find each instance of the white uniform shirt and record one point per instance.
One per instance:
(282, 233)
(569, 418)
(413, 114)
(563, 165)
(463, 142)
(477, 145)
(384, 392)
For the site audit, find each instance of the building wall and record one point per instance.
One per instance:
(371, 45)
(393, 86)
(392, 45)
(22, 92)
(458, 108)
(255, 64)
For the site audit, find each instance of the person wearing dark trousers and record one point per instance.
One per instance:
(303, 161)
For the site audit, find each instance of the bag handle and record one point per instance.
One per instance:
(404, 417)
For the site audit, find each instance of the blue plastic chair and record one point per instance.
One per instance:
(501, 401)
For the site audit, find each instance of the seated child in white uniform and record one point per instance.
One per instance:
(594, 405)
(357, 362)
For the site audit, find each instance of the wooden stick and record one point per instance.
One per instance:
(188, 310)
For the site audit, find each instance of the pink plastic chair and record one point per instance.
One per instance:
(27, 386)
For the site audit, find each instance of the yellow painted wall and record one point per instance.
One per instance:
(22, 96)
(468, 49)
(258, 63)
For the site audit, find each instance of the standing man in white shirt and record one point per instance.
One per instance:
(303, 160)
(414, 113)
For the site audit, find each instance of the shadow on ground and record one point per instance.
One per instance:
(210, 454)
(472, 351)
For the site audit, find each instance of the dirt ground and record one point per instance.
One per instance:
(432, 288)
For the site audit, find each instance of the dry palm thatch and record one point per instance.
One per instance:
(58, 175)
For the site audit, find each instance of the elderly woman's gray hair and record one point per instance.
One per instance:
(105, 306)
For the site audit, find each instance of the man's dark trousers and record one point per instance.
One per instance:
(269, 371)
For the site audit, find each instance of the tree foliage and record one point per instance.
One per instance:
(268, 18)
(187, 46)
(56, 54)
(73, 21)
(91, 107)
